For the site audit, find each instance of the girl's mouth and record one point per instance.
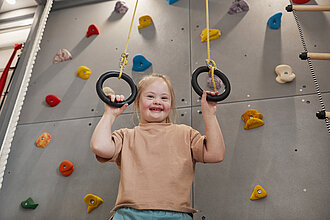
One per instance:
(156, 109)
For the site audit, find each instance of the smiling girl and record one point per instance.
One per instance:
(156, 158)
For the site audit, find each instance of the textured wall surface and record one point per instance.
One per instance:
(288, 156)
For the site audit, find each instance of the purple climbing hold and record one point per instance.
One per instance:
(217, 80)
(238, 6)
(121, 7)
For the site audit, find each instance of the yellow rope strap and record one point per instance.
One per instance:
(123, 59)
(211, 64)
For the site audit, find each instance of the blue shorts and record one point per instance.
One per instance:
(148, 214)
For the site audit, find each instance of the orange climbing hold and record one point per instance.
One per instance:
(43, 140)
(66, 168)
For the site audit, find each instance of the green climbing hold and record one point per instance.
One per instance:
(29, 204)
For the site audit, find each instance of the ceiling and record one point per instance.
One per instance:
(5, 6)
(15, 21)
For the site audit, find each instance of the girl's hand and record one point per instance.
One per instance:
(209, 108)
(112, 110)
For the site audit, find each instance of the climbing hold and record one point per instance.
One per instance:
(274, 22)
(29, 204)
(252, 119)
(238, 6)
(62, 55)
(171, 1)
(300, 1)
(108, 91)
(214, 34)
(258, 193)
(140, 63)
(52, 100)
(43, 140)
(92, 29)
(284, 73)
(121, 7)
(66, 168)
(144, 21)
(92, 202)
(83, 72)
(217, 80)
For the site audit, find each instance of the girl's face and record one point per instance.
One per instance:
(155, 102)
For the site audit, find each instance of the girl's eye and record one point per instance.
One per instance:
(150, 96)
(164, 98)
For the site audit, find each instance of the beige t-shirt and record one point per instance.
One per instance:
(157, 165)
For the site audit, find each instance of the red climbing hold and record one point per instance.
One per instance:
(92, 29)
(66, 168)
(300, 1)
(52, 100)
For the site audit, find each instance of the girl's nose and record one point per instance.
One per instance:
(156, 101)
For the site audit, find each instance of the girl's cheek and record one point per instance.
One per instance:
(168, 107)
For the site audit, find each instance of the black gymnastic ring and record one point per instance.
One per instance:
(106, 99)
(218, 73)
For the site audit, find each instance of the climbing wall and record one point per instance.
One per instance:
(288, 156)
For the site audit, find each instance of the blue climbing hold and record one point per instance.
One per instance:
(171, 1)
(274, 22)
(140, 63)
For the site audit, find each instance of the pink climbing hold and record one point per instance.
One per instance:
(62, 55)
(238, 6)
(121, 7)
(217, 81)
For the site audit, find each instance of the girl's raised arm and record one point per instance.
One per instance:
(101, 143)
(215, 146)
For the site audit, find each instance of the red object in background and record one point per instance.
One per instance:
(300, 1)
(52, 100)
(66, 168)
(6, 70)
(92, 29)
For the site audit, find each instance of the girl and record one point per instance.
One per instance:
(156, 158)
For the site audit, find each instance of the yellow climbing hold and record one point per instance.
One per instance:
(83, 72)
(214, 34)
(258, 193)
(92, 201)
(144, 21)
(108, 91)
(252, 119)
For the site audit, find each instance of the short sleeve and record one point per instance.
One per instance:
(118, 138)
(197, 143)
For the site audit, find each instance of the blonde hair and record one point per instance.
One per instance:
(146, 81)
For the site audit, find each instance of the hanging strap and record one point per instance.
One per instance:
(209, 62)
(123, 59)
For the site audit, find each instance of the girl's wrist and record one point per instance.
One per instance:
(109, 116)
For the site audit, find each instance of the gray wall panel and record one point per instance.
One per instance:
(165, 44)
(33, 172)
(288, 156)
(248, 51)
